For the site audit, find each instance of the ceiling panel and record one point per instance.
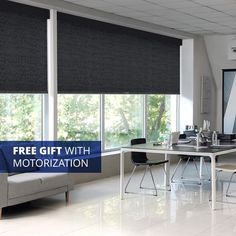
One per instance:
(146, 7)
(130, 13)
(223, 7)
(231, 12)
(224, 19)
(196, 10)
(180, 4)
(198, 16)
(206, 15)
(124, 2)
(213, 2)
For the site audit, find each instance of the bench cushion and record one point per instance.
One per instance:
(31, 183)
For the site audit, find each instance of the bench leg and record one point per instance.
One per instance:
(67, 195)
(0, 213)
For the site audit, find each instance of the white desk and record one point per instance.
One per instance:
(188, 150)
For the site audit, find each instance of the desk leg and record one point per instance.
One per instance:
(213, 182)
(201, 165)
(121, 175)
(167, 170)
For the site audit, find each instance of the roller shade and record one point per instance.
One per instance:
(97, 57)
(23, 48)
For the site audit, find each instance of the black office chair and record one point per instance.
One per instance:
(140, 159)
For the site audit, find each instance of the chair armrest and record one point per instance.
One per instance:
(3, 189)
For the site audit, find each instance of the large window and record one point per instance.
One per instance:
(115, 119)
(123, 119)
(20, 117)
(78, 117)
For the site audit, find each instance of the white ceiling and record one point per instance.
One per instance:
(193, 16)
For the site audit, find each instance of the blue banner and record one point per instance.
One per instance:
(50, 156)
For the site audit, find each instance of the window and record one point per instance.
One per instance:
(20, 117)
(161, 116)
(123, 119)
(78, 117)
(119, 119)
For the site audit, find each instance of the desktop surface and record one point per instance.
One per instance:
(184, 147)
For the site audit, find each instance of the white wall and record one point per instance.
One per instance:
(217, 48)
(194, 65)
(202, 67)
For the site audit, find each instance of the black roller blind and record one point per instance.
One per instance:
(97, 57)
(23, 48)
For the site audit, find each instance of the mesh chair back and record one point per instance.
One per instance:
(138, 157)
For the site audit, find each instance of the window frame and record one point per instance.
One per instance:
(145, 119)
(44, 116)
(102, 118)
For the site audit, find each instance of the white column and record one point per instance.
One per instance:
(186, 84)
(52, 75)
(45, 116)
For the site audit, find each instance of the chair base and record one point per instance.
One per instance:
(183, 180)
(140, 185)
(187, 181)
(148, 194)
(230, 195)
(227, 191)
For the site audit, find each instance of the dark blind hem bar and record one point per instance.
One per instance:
(96, 57)
(23, 47)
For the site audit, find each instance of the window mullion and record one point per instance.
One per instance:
(44, 113)
(177, 112)
(102, 121)
(145, 116)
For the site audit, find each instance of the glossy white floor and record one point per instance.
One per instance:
(95, 209)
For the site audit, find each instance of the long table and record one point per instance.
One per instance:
(182, 149)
